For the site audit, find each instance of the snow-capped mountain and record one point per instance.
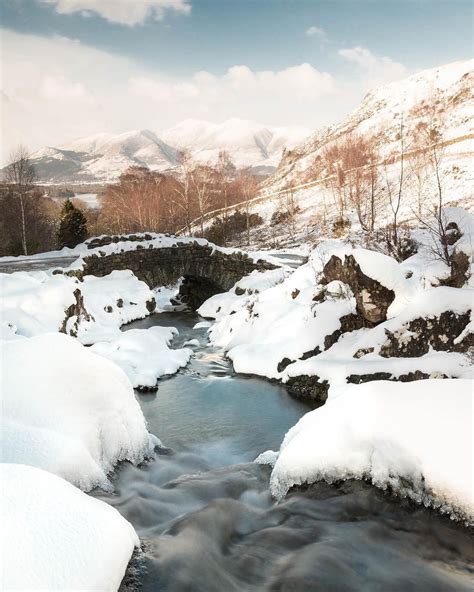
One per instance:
(103, 157)
(249, 143)
(446, 91)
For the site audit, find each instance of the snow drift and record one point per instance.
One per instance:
(414, 439)
(68, 411)
(55, 537)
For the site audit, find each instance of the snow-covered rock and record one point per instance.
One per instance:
(55, 537)
(68, 411)
(144, 354)
(414, 439)
(38, 302)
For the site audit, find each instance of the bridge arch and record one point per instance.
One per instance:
(205, 269)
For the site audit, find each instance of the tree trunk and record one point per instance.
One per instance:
(23, 226)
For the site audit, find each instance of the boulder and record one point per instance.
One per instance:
(372, 298)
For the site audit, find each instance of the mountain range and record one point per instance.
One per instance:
(103, 157)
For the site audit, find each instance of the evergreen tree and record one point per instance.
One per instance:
(72, 226)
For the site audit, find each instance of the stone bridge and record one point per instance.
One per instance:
(206, 271)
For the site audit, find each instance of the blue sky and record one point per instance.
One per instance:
(117, 64)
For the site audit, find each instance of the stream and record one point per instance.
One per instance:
(206, 520)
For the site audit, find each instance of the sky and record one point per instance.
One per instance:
(71, 68)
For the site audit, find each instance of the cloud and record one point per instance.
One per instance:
(318, 33)
(54, 90)
(377, 70)
(124, 12)
(301, 83)
(61, 89)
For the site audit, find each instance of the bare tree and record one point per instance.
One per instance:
(248, 188)
(225, 173)
(336, 178)
(291, 208)
(202, 177)
(395, 186)
(435, 220)
(21, 175)
(183, 191)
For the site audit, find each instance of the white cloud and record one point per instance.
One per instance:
(124, 12)
(301, 83)
(377, 70)
(54, 90)
(317, 32)
(59, 88)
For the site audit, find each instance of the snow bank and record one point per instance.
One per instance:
(68, 411)
(413, 438)
(55, 537)
(36, 302)
(259, 330)
(112, 301)
(144, 354)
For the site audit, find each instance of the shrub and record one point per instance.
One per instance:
(72, 228)
(227, 229)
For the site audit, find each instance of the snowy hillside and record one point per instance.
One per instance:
(331, 183)
(446, 90)
(103, 157)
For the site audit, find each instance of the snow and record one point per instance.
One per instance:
(388, 272)
(248, 143)
(105, 156)
(92, 200)
(414, 438)
(35, 302)
(112, 300)
(202, 325)
(144, 354)
(68, 411)
(55, 537)
(273, 324)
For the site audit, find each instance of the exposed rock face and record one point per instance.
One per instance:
(206, 271)
(409, 377)
(310, 389)
(460, 269)
(372, 299)
(76, 312)
(440, 333)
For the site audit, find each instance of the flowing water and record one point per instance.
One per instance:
(208, 524)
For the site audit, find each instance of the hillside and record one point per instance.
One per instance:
(447, 90)
(103, 157)
(322, 183)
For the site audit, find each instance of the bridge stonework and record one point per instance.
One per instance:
(206, 271)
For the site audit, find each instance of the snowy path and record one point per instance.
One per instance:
(35, 264)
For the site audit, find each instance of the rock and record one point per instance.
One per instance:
(76, 311)
(309, 389)
(372, 298)
(409, 377)
(283, 364)
(150, 305)
(416, 337)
